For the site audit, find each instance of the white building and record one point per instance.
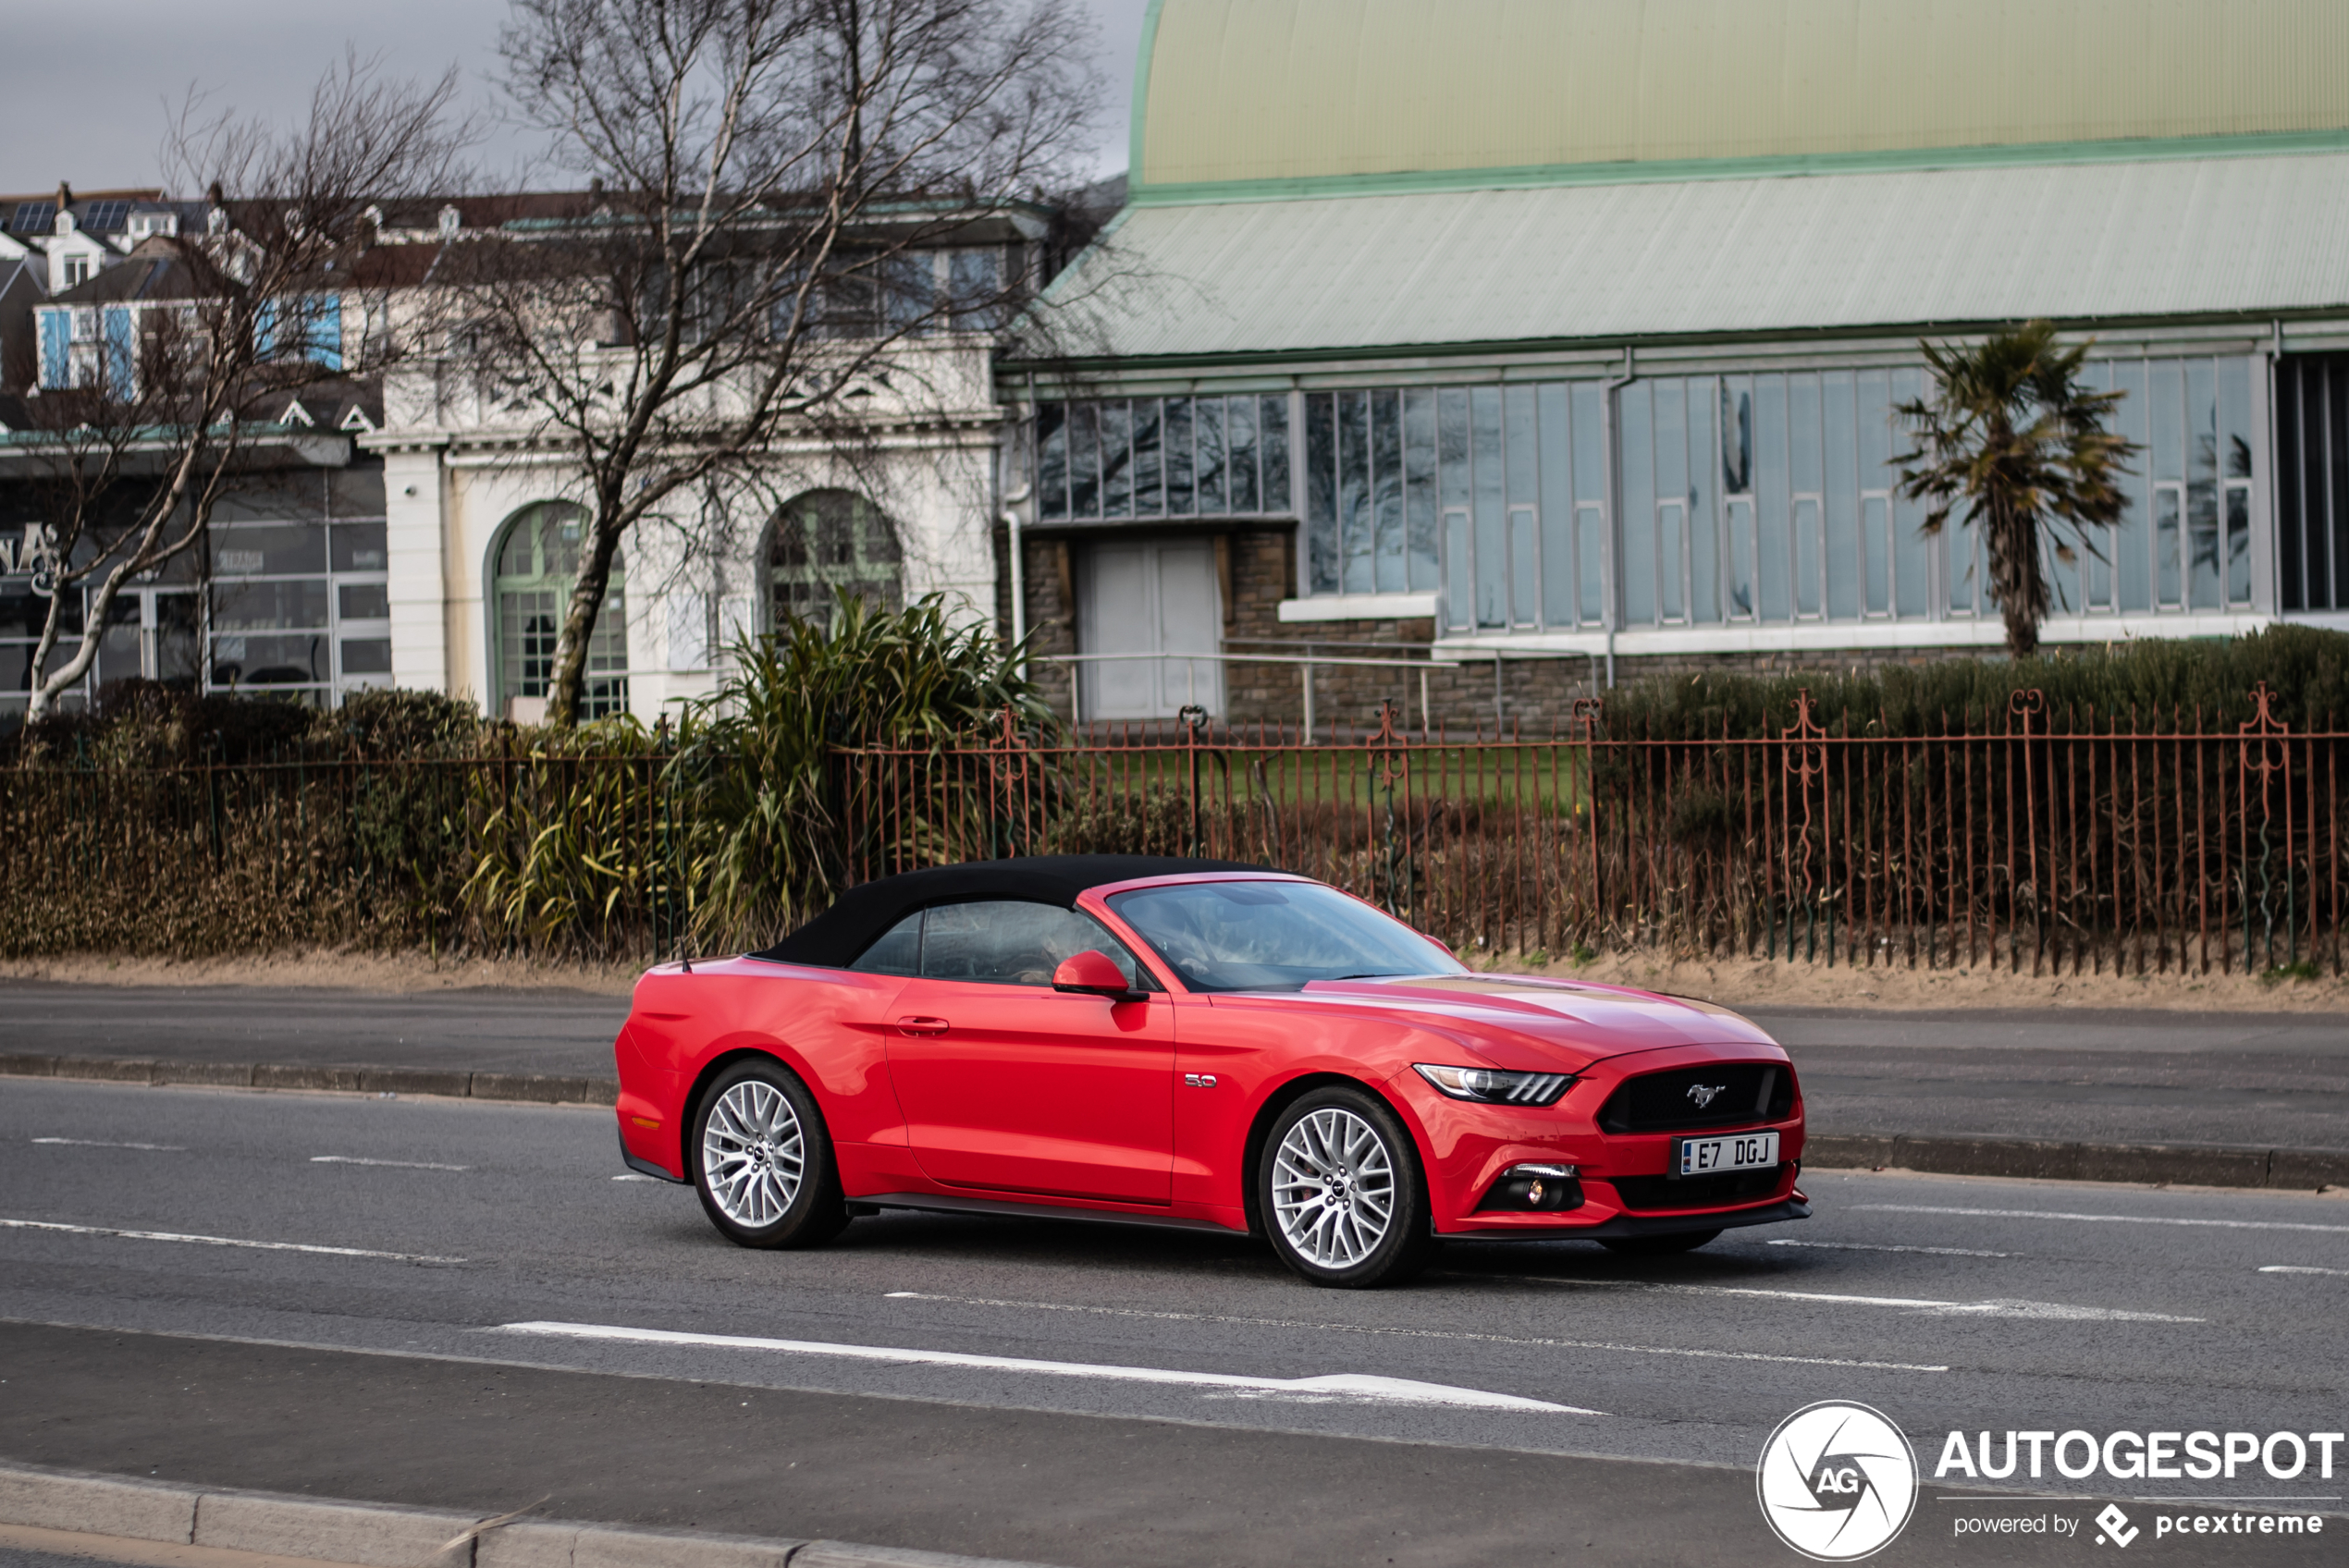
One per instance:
(482, 511)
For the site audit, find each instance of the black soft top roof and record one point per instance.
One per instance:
(834, 939)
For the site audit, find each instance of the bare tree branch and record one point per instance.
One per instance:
(803, 216)
(140, 436)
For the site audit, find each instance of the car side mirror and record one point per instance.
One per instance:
(1093, 973)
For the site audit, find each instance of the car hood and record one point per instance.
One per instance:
(1523, 1023)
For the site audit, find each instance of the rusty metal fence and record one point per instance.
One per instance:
(2069, 842)
(2052, 841)
(581, 857)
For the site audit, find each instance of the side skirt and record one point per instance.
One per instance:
(872, 1203)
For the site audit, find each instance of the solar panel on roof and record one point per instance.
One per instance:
(103, 217)
(34, 218)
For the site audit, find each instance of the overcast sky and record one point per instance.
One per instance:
(86, 82)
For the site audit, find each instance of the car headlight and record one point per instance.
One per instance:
(1490, 1085)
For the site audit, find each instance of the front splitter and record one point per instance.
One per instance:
(1646, 1225)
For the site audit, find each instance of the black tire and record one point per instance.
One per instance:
(1659, 1246)
(814, 1212)
(1404, 1248)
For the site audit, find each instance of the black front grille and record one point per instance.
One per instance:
(1698, 1192)
(1686, 1098)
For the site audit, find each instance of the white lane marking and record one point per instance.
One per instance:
(218, 1241)
(2301, 1269)
(2048, 1310)
(102, 1144)
(2103, 1218)
(632, 1176)
(395, 1164)
(1422, 1333)
(1343, 1385)
(1863, 1246)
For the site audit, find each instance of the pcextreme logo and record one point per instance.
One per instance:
(1837, 1481)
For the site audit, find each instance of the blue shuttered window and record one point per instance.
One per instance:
(57, 338)
(121, 354)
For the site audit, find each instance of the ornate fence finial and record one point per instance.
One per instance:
(1390, 759)
(2261, 748)
(1007, 760)
(1806, 759)
(1587, 712)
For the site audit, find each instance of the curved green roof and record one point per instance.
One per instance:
(1349, 93)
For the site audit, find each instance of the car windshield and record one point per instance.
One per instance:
(1273, 935)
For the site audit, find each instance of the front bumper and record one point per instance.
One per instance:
(1468, 1147)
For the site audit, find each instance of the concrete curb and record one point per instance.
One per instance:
(535, 1088)
(380, 1536)
(2199, 1165)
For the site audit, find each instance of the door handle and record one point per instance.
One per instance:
(921, 1026)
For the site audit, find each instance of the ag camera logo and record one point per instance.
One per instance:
(1837, 1481)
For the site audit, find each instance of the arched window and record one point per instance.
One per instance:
(828, 539)
(537, 563)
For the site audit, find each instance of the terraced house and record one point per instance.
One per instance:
(286, 598)
(1558, 344)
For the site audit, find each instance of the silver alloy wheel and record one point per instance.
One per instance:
(1333, 1187)
(753, 1153)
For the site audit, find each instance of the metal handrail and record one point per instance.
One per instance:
(1076, 715)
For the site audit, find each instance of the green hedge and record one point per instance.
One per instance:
(2305, 668)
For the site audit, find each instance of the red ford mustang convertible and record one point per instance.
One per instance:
(1184, 1042)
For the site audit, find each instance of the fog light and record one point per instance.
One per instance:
(1538, 1189)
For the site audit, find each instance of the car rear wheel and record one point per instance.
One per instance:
(1659, 1246)
(1341, 1194)
(763, 1161)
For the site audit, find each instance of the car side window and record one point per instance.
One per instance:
(1011, 942)
(897, 950)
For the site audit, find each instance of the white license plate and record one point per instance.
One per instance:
(1739, 1151)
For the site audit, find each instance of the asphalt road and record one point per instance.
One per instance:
(481, 1030)
(370, 1347)
(2277, 1080)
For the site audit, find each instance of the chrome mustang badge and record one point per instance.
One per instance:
(1702, 1093)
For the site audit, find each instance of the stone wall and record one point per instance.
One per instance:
(1822, 661)
(1049, 568)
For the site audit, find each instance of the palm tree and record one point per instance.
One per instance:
(2011, 435)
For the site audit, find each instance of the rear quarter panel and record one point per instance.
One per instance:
(825, 1024)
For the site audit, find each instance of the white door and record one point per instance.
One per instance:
(1150, 596)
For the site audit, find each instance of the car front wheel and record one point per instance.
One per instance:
(1341, 1193)
(763, 1161)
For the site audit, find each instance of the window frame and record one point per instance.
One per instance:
(1114, 946)
(606, 692)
